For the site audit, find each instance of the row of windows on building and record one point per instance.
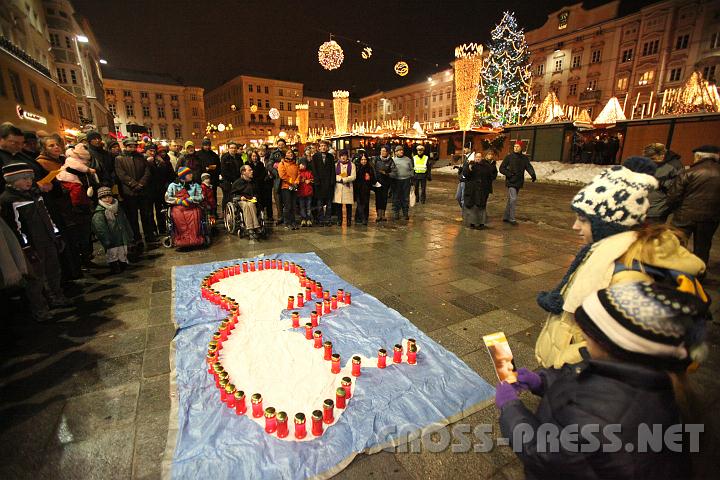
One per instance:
(281, 105)
(144, 94)
(260, 118)
(260, 89)
(160, 110)
(398, 106)
(18, 92)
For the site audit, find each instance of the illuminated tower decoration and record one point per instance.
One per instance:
(302, 114)
(468, 67)
(550, 110)
(697, 95)
(341, 106)
(611, 113)
(506, 75)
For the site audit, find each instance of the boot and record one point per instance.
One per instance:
(349, 221)
(380, 214)
(114, 267)
(396, 215)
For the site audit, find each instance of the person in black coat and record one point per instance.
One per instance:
(161, 175)
(258, 178)
(364, 180)
(642, 338)
(323, 170)
(479, 176)
(211, 161)
(514, 167)
(101, 160)
(230, 164)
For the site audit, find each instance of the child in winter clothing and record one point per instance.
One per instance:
(364, 181)
(24, 211)
(209, 202)
(305, 195)
(345, 175)
(610, 211)
(641, 338)
(112, 229)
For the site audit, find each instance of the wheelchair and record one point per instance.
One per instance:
(235, 223)
(205, 230)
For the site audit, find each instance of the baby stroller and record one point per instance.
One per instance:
(235, 223)
(187, 222)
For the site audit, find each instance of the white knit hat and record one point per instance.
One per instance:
(617, 198)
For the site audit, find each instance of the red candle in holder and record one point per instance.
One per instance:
(300, 300)
(282, 426)
(335, 363)
(326, 294)
(223, 272)
(230, 395)
(356, 366)
(273, 264)
(326, 306)
(340, 397)
(240, 406)
(328, 411)
(245, 267)
(317, 336)
(397, 353)
(382, 358)
(347, 298)
(411, 341)
(318, 290)
(291, 302)
(267, 264)
(257, 406)
(260, 266)
(292, 267)
(412, 354)
(211, 359)
(308, 331)
(286, 266)
(317, 423)
(300, 430)
(270, 420)
(236, 269)
(308, 293)
(327, 354)
(295, 319)
(223, 389)
(341, 294)
(314, 319)
(217, 337)
(223, 375)
(346, 383)
(333, 303)
(252, 266)
(318, 309)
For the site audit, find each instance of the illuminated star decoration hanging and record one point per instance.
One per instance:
(366, 53)
(274, 113)
(402, 68)
(330, 55)
(253, 108)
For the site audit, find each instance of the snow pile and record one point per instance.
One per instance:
(554, 172)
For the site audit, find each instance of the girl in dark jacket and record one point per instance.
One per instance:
(479, 177)
(364, 181)
(642, 338)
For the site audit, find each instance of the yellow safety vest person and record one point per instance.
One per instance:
(420, 163)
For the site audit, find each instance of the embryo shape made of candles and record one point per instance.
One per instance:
(297, 385)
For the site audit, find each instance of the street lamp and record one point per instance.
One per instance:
(103, 61)
(82, 38)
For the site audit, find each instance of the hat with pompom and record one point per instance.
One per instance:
(647, 323)
(614, 201)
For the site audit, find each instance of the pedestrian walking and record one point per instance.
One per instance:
(479, 176)
(694, 197)
(668, 167)
(403, 176)
(514, 166)
(384, 166)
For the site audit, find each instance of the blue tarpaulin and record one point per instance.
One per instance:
(208, 440)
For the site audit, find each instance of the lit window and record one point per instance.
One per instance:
(646, 78)
(627, 55)
(591, 85)
(622, 84)
(563, 20)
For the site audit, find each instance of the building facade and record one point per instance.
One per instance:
(246, 101)
(30, 97)
(430, 102)
(158, 103)
(588, 56)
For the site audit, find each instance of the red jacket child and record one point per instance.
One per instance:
(305, 189)
(208, 193)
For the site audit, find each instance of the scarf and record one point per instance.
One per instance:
(111, 210)
(338, 168)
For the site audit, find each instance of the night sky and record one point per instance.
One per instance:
(209, 42)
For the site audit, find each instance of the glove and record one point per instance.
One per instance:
(530, 380)
(504, 393)
(534, 179)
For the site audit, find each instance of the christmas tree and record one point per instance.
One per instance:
(506, 97)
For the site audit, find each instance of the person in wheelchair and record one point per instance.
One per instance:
(243, 193)
(185, 214)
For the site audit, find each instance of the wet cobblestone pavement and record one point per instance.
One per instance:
(86, 396)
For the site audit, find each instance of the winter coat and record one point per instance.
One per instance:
(230, 168)
(344, 184)
(111, 234)
(194, 163)
(599, 393)
(404, 168)
(209, 200)
(50, 164)
(173, 196)
(364, 180)
(479, 177)
(133, 172)
(665, 175)
(383, 170)
(161, 174)
(210, 159)
(305, 189)
(243, 188)
(104, 163)
(72, 168)
(259, 174)
(561, 339)
(514, 167)
(324, 174)
(25, 213)
(12, 260)
(289, 174)
(173, 159)
(694, 195)
(57, 200)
